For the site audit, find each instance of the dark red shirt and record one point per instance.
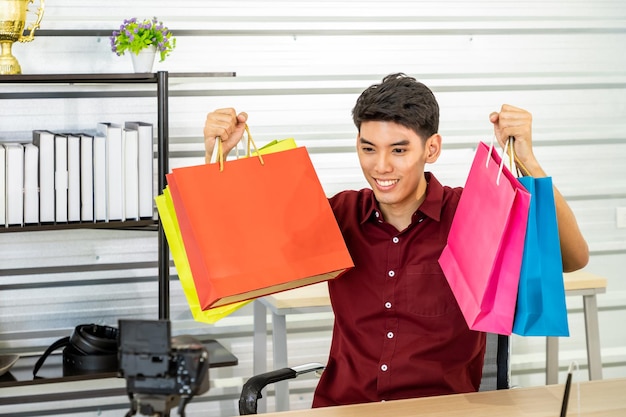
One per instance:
(398, 331)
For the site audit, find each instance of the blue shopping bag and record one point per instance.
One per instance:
(541, 309)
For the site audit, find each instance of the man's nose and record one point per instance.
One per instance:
(383, 163)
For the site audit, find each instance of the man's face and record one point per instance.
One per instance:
(392, 158)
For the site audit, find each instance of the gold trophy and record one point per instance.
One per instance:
(12, 22)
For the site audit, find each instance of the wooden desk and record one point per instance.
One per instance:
(314, 299)
(597, 399)
(588, 285)
(311, 299)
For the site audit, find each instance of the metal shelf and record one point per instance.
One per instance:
(112, 78)
(128, 224)
(161, 79)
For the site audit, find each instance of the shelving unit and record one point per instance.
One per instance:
(77, 86)
(161, 80)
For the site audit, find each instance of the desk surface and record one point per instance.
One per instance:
(583, 280)
(603, 398)
(316, 295)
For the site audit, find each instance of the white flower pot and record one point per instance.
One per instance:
(144, 60)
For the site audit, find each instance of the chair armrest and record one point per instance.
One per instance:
(251, 391)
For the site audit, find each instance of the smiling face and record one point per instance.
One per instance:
(397, 121)
(392, 158)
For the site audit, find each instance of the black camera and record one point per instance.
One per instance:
(161, 372)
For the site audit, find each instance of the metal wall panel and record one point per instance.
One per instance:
(300, 65)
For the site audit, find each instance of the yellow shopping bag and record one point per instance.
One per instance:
(277, 146)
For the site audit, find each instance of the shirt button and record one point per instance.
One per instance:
(391, 274)
(395, 240)
(376, 214)
(390, 335)
(383, 368)
(387, 304)
(420, 220)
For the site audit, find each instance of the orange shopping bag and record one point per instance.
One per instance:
(167, 215)
(257, 227)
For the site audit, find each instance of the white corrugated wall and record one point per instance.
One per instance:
(300, 66)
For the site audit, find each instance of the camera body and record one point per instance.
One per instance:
(160, 371)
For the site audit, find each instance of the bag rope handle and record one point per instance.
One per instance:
(508, 142)
(501, 166)
(256, 150)
(220, 153)
(510, 149)
(519, 165)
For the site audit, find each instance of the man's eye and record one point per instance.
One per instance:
(399, 150)
(367, 149)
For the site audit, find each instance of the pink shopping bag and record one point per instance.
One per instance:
(483, 255)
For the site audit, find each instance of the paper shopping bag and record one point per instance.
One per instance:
(277, 146)
(167, 215)
(483, 255)
(256, 227)
(541, 308)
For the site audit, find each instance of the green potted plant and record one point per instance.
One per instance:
(143, 39)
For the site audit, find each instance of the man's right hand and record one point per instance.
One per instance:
(225, 124)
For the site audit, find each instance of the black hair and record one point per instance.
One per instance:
(400, 99)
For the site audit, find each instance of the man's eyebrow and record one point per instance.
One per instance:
(404, 142)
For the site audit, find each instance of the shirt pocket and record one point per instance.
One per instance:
(427, 291)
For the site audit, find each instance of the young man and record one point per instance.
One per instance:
(398, 331)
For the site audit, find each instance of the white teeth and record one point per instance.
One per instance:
(386, 183)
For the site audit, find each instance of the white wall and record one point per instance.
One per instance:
(300, 65)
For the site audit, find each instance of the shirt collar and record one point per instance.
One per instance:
(433, 202)
(431, 206)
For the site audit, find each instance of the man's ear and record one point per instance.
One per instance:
(433, 148)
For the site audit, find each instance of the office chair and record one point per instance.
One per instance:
(495, 376)
(496, 372)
